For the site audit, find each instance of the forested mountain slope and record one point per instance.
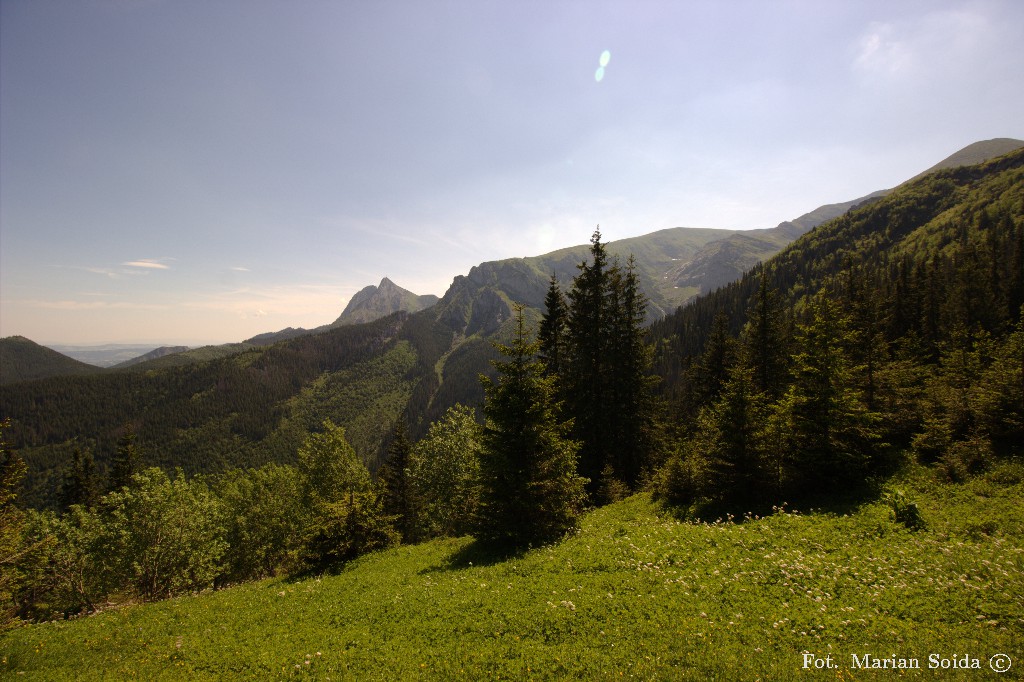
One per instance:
(24, 360)
(242, 410)
(927, 250)
(942, 251)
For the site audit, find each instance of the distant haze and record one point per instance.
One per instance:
(190, 172)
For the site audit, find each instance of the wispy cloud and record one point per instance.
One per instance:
(382, 229)
(151, 263)
(102, 271)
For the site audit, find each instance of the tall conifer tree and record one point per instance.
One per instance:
(629, 377)
(765, 346)
(607, 382)
(530, 492)
(586, 380)
(398, 498)
(552, 332)
(127, 461)
(81, 482)
(833, 433)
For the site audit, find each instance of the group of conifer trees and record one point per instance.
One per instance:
(592, 343)
(569, 419)
(815, 400)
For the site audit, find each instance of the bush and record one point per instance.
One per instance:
(966, 458)
(346, 529)
(167, 535)
(904, 510)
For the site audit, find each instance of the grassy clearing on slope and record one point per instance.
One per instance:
(634, 594)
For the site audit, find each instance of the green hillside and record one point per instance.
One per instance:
(243, 409)
(635, 593)
(927, 238)
(24, 360)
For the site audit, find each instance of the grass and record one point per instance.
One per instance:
(635, 594)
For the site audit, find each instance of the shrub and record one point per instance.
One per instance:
(904, 510)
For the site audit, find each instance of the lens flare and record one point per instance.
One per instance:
(606, 57)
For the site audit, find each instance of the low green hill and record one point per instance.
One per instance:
(24, 360)
(635, 594)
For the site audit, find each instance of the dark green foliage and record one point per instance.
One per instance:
(738, 470)
(345, 529)
(719, 356)
(833, 435)
(330, 467)
(585, 379)
(399, 498)
(246, 409)
(163, 536)
(74, 568)
(25, 360)
(126, 462)
(444, 474)
(13, 544)
(264, 521)
(81, 481)
(347, 515)
(914, 345)
(605, 376)
(764, 342)
(552, 331)
(630, 383)
(1000, 399)
(530, 492)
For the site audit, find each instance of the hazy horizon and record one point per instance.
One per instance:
(190, 173)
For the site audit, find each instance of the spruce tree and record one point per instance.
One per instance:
(585, 385)
(398, 498)
(81, 482)
(764, 341)
(720, 353)
(629, 378)
(833, 434)
(737, 471)
(552, 332)
(127, 461)
(607, 382)
(530, 492)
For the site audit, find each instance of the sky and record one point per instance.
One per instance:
(201, 171)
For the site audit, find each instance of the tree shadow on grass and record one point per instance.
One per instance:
(841, 502)
(476, 553)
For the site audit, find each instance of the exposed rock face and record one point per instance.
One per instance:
(374, 302)
(480, 301)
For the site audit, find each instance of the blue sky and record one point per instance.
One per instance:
(201, 171)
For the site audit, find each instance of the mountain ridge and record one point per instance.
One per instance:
(374, 302)
(675, 265)
(256, 406)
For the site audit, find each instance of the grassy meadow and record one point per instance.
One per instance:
(636, 593)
